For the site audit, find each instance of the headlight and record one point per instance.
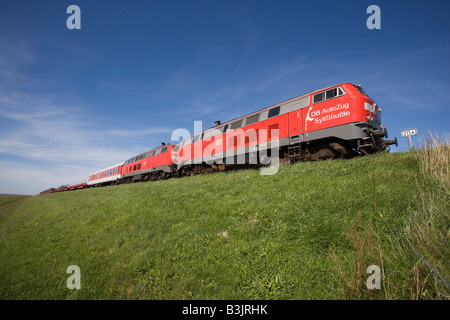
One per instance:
(369, 107)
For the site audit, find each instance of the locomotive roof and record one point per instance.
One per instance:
(272, 106)
(146, 152)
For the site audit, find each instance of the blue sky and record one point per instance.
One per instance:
(76, 101)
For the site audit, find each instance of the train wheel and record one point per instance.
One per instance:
(325, 153)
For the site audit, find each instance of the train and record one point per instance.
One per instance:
(340, 121)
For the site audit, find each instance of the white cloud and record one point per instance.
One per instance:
(20, 178)
(50, 139)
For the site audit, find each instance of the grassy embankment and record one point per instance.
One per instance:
(308, 232)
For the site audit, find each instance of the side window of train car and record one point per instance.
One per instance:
(208, 134)
(236, 124)
(187, 141)
(252, 119)
(164, 150)
(212, 133)
(274, 112)
(197, 137)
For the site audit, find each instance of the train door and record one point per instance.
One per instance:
(155, 159)
(295, 123)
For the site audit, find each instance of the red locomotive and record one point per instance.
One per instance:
(338, 121)
(151, 165)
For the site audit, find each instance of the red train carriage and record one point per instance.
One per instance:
(151, 165)
(77, 185)
(49, 190)
(338, 121)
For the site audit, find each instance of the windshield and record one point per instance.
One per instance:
(360, 89)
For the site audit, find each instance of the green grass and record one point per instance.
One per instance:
(230, 235)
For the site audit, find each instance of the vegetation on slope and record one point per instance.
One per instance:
(308, 232)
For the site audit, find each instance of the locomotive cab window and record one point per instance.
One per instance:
(329, 94)
(336, 92)
(360, 89)
(319, 97)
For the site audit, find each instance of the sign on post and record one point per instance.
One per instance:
(409, 133)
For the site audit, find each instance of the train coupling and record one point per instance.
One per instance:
(389, 142)
(380, 133)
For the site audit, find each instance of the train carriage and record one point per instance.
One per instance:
(107, 176)
(77, 185)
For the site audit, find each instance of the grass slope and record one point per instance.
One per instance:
(308, 232)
